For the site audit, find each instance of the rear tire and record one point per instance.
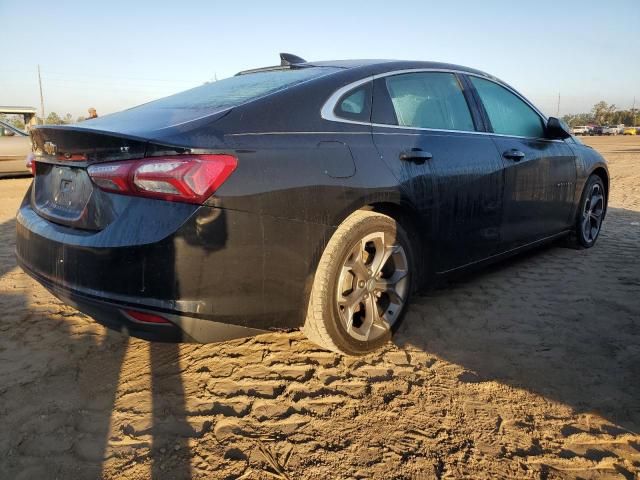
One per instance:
(362, 285)
(591, 212)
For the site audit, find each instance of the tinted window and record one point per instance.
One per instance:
(508, 114)
(209, 99)
(356, 104)
(9, 130)
(239, 89)
(429, 100)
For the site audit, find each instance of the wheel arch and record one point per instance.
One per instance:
(403, 212)
(412, 222)
(604, 176)
(408, 216)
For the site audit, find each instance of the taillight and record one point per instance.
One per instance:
(180, 178)
(31, 163)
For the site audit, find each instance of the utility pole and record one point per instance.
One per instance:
(41, 97)
(633, 111)
(558, 111)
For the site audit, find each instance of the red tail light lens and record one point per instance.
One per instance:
(145, 317)
(180, 178)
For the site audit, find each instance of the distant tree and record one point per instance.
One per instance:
(603, 113)
(80, 119)
(67, 118)
(579, 119)
(53, 119)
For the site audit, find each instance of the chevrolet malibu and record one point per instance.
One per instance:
(313, 195)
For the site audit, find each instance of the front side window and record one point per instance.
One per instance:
(508, 114)
(429, 100)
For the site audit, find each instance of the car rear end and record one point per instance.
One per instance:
(121, 219)
(99, 223)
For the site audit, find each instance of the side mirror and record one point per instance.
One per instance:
(556, 128)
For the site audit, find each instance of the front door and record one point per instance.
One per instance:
(540, 173)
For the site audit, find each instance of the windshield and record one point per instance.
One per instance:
(8, 130)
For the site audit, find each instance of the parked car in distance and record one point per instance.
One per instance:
(630, 131)
(317, 195)
(15, 146)
(597, 130)
(581, 130)
(610, 130)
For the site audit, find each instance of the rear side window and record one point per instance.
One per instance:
(355, 104)
(429, 100)
(508, 114)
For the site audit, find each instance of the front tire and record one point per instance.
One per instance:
(362, 285)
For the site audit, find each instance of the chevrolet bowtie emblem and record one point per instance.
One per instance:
(50, 148)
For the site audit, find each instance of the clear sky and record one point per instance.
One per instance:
(116, 54)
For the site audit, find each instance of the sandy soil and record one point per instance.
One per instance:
(530, 369)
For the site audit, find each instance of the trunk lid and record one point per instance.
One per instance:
(62, 190)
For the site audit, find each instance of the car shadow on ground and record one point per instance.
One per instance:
(7, 233)
(561, 323)
(68, 372)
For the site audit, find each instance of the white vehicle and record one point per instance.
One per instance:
(581, 130)
(610, 130)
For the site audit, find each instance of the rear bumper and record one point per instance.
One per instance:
(112, 315)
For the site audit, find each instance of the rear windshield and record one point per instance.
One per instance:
(236, 90)
(204, 101)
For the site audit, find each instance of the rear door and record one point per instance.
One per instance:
(540, 173)
(427, 134)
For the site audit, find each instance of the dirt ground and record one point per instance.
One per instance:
(530, 369)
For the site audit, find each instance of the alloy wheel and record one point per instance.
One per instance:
(372, 286)
(592, 213)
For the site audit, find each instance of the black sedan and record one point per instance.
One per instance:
(318, 195)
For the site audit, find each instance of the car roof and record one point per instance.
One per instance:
(374, 66)
(385, 65)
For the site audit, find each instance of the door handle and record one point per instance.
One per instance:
(513, 154)
(415, 155)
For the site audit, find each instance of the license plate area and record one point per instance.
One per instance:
(61, 193)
